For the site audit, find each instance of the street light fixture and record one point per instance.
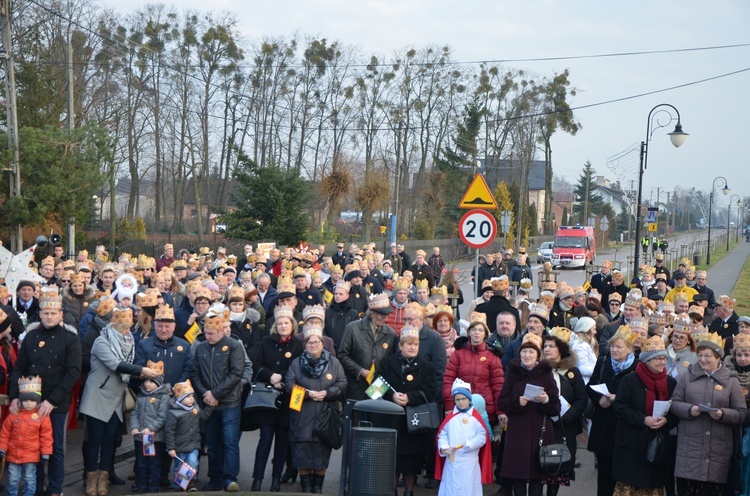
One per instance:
(724, 190)
(729, 214)
(678, 138)
(737, 226)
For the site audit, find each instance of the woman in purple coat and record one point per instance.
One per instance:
(526, 416)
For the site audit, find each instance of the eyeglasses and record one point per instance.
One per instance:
(660, 359)
(679, 337)
(706, 356)
(64, 280)
(316, 343)
(614, 303)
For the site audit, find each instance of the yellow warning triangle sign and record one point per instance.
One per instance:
(478, 195)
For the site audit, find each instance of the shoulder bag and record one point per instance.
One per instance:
(661, 448)
(556, 457)
(128, 401)
(422, 418)
(329, 426)
(262, 397)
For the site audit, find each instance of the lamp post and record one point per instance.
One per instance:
(724, 190)
(737, 226)
(678, 138)
(729, 214)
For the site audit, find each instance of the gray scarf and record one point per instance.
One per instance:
(122, 345)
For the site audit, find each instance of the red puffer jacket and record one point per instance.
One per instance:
(26, 436)
(479, 367)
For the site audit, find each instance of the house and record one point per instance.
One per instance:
(562, 206)
(613, 194)
(510, 171)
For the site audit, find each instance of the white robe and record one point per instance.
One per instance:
(462, 476)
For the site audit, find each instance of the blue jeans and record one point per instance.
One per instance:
(56, 463)
(15, 472)
(223, 440)
(191, 458)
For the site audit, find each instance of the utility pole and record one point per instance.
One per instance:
(585, 219)
(14, 168)
(669, 212)
(71, 234)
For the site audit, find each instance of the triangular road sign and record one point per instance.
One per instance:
(478, 195)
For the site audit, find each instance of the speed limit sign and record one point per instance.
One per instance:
(477, 228)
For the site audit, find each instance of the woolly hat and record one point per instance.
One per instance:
(584, 324)
(157, 367)
(461, 387)
(713, 342)
(652, 348)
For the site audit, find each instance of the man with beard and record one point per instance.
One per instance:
(680, 288)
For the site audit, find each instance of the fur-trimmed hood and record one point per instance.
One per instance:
(88, 293)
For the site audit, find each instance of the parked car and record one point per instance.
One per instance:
(545, 252)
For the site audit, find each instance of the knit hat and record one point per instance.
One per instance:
(652, 348)
(713, 342)
(24, 284)
(584, 324)
(461, 387)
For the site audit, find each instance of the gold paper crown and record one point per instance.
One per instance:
(741, 341)
(144, 300)
(429, 310)
(684, 261)
(48, 260)
(401, 283)
(236, 292)
(164, 312)
(313, 329)
(378, 301)
(30, 385)
(316, 275)
(540, 311)
(564, 290)
(314, 312)
(344, 285)
(526, 283)
(696, 310)
(286, 285)
(50, 299)
(654, 343)
(105, 306)
(232, 259)
(561, 333)
(193, 264)
(179, 264)
(414, 309)
(530, 337)
(444, 308)
(205, 250)
(442, 290)
(122, 316)
(547, 299)
(634, 298)
(83, 254)
(336, 269)
(157, 367)
(221, 281)
(639, 323)
(726, 302)
(666, 307)
(478, 317)
(549, 286)
(657, 318)
(216, 322)
(682, 323)
(143, 262)
(421, 252)
(409, 332)
(76, 278)
(625, 333)
(714, 338)
(422, 284)
(158, 277)
(203, 292)
(298, 271)
(280, 312)
(500, 284)
(182, 389)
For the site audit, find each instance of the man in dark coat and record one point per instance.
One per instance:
(602, 279)
(437, 264)
(27, 305)
(52, 351)
(405, 259)
(499, 303)
(339, 258)
(618, 286)
(420, 270)
(339, 314)
(700, 286)
(630, 310)
(725, 318)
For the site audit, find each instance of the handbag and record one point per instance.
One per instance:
(556, 457)
(128, 401)
(329, 426)
(262, 397)
(660, 449)
(422, 418)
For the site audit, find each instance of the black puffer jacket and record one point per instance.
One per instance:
(182, 431)
(338, 316)
(75, 306)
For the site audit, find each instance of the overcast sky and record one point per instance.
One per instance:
(714, 113)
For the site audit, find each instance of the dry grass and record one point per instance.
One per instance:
(741, 292)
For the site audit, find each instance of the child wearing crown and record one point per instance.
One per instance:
(147, 419)
(182, 428)
(26, 437)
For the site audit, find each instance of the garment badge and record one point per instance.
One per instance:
(571, 375)
(483, 359)
(179, 348)
(288, 354)
(465, 421)
(195, 411)
(329, 376)
(152, 400)
(409, 377)
(35, 416)
(718, 387)
(247, 325)
(686, 364)
(385, 346)
(85, 303)
(224, 348)
(41, 344)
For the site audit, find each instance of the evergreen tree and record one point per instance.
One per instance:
(587, 206)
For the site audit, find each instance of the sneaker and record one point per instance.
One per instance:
(232, 487)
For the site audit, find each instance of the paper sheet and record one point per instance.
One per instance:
(661, 408)
(706, 408)
(532, 391)
(600, 388)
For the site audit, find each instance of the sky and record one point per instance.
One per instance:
(713, 113)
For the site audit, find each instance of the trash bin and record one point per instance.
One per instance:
(696, 258)
(369, 451)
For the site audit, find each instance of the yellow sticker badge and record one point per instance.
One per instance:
(152, 400)
(483, 359)
(329, 376)
(224, 348)
(41, 344)
(686, 364)
(409, 377)
(195, 411)
(571, 375)
(718, 387)
(288, 354)
(385, 346)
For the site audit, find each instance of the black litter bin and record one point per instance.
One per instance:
(696, 258)
(369, 457)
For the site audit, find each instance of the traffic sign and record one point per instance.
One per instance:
(477, 228)
(478, 195)
(652, 216)
(604, 224)
(652, 227)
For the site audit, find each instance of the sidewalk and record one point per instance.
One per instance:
(723, 276)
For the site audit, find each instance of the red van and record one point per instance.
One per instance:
(575, 246)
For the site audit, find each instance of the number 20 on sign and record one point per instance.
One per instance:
(477, 228)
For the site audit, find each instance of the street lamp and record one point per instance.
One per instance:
(729, 214)
(724, 190)
(737, 226)
(678, 138)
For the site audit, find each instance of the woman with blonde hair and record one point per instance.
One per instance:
(584, 344)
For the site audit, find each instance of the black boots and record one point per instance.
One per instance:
(306, 481)
(275, 485)
(289, 476)
(256, 485)
(317, 483)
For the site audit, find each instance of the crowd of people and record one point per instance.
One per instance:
(168, 350)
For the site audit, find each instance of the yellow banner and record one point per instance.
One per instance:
(192, 333)
(371, 375)
(298, 396)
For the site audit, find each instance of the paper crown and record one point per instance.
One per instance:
(639, 323)
(539, 311)
(106, 305)
(77, 278)
(336, 269)
(148, 299)
(421, 252)
(157, 367)
(49, 298)
(561, 333)
(547, 298)
(682, 323)
(314, 312)
(203, 292)
(409, 332)
(549, 286)
(298, 271)
(286, 285)
(713, 338)
(666, 307)
(401, 283)
(617, 275)
(726, 302)
(179, 264)
(654, 343)
(526, 283)
(565, 291)
(313, 329)
(280, 312)
(414, 309)
(429, 310)
(500, 284)
(232, 259)
(462, 387)
(442, 290)
(626, 334)
(634, 298)
(32, 385)
(216, 318)
(122, 316)
(343, 285)
(422, 284)
(378, 301)
(236, 293)
(595, 295)
(615, 297)
(182, 389)
(478, 317)
(741, 341)
(684, 261)
(164, 312)
(221, 281)
(657, 318)
(607, 264)
(532, 338)
(695, 309)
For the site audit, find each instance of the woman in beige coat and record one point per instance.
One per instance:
(709, 402)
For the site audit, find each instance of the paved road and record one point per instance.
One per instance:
(585, 483)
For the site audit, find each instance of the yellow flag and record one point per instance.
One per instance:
(327, 297)
(371, 375)
(192, 333)
(298, 396)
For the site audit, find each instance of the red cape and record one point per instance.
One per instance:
(485, 452)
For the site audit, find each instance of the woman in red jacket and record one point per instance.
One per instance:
(476, 364)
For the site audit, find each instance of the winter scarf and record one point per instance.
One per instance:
(122, 345)
(314, 367)
(620, 366)
(405, 362)
(656, 385)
